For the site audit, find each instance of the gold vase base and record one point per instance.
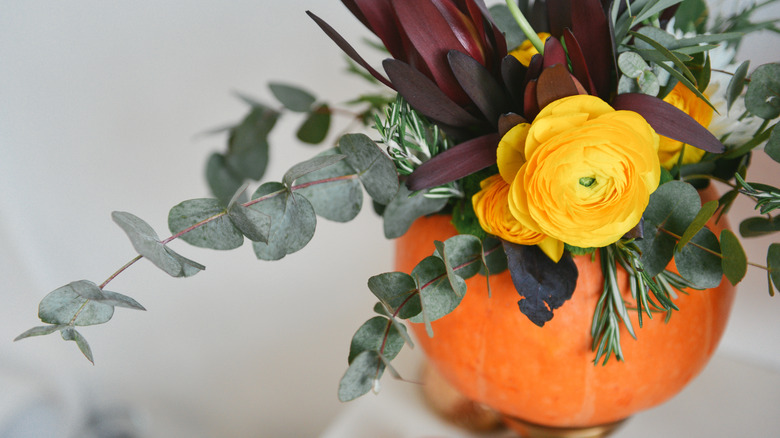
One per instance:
(530, 430)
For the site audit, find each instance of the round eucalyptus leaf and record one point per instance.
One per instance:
(292, 221)
(758, 226)
(118, 300)
(293, 98)
(437, 296)
(763, 92)
(333, 197)
(219, 233)
(672, 207)
(773, 263)
(736, 84)
(221, 178)
(315, 128)
(734, 259)
(772, 147)
(65, 306)
(360, 376)
(648, 83)
(395, 289)
(405, 208)
(632, 65)
(371, 336)
(464, 253)
(40, 330)
(698, 265)
(375, 169)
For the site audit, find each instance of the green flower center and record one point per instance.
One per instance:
(587, 181)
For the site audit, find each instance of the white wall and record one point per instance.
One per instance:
(101, 108)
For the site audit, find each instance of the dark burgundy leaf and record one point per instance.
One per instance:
(530, 105)
(463, 29)
(355, 10)
(347, 48)
(560, 18)
(513, 75)
(534, 69)
(509, 121)
(455, 163)
(543, 284)
(669, 121)
(553, 53)
(424, 96)
(579, 66)
(432, 37)
(538, 18)
(381, 20)
(591, 27)
(554, 83)
(480, 86)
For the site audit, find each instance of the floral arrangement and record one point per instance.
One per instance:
(549, 130)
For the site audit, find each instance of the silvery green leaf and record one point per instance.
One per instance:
(648, 83)
(251, 223)
(248, 143)
(70, 334)
(146, 242)
(652, 8)
(360, 376)
(464, 253)
(437, 296)
(371, 336)
(705, 213)
(375, 169)
(65, 306)
(457, 283)
(333, 197)
(700, 267)
(395, 289)
(632, 65)
(223, 181)
(40, 330)
(763, 92)
(315, 128)
(118, 300)
(219, 233)
(773, 263)
(292, 221)
(405, 208)
(309, 166)
(293, 98)
(673, 206)
(737, 84)
(734, 261)
(627, 85)
(772, 147)
(188, 267)
(87, 289)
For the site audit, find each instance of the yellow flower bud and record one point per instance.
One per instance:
(684, 99)
(525, 51)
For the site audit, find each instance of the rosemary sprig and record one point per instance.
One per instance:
(411, 140)
(651, 295)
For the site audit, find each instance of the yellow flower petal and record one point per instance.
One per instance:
(552, 247)
(509, 154)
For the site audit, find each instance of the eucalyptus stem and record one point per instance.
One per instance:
(707, 250)
(525, 26)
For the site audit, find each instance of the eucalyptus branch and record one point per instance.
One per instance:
(707, 250)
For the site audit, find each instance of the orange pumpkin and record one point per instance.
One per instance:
(494, 355)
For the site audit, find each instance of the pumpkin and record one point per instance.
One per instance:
(494, 355)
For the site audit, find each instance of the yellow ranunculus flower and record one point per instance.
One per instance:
(684, 99)
(589, 172)
(492, 209)
(525, 51)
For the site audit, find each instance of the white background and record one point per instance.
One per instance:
(102, 107)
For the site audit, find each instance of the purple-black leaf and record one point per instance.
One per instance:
(432, 37)
(543, 284)
(455, 163)
(591, 27)
(579, 67)
(378, 16)
(347, 48)
(424, 96)
(560, 18)
(479, 85)
(669, 121)
(513, 75)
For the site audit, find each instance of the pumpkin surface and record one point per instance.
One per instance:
(494, 355)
